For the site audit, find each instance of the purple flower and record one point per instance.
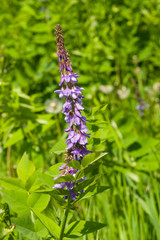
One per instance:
(82, 140)
(43, 9)
(67, 107)
(59, 185)
(83, 127)
(78, 106)
(71, 78)
(77, 137)
(82, 152)
(64, 166)
(142, 107)
(73, 119)
(73, 195)
(74, 92)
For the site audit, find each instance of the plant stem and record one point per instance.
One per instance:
(65, 219)
(58, 126)
(9, 161)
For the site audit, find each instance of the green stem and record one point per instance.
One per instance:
(64, 220)
(9, 161)
(58, 126)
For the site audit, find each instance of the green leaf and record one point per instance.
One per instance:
(99, 109)
(40, 229)
(92, 191)
(67, 178)
(25, 226)
(129, 139)
(34, 182)
(127, 172)
(59, 200)
(74, 164)
(11, 183)
(58, 191)
(15, 137)
(79, 228)
(54, 170)
(148, 163)
(45, 127)
(59, 147)
(25, 168)
(17, 200)
(46, 180)
(43, 189)
(58, 195)
(42, 39)
(147, 144)
(91, 158)
(84, 184)
(39, 27)
(52, 227)
(38, 202)
(87, 170)
(104, 108)
(150, 209)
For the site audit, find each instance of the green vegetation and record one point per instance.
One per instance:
(114, 46)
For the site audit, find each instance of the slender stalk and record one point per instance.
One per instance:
(65, 219)
(58, 126)
(9, 161)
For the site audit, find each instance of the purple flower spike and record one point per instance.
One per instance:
(77, 137)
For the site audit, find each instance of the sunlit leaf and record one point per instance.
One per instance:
(59, 147)
(91, 158)
(38, 201)
(52, 227)
(79, 228)
(25, 226)
(17, 200)
(25, 168)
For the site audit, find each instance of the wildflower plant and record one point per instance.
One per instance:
(141, 106)
(42, 201)
(72, 179)
(77, 137)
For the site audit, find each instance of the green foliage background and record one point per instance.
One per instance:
(110, 43)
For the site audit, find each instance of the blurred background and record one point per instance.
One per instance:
(114, 46)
